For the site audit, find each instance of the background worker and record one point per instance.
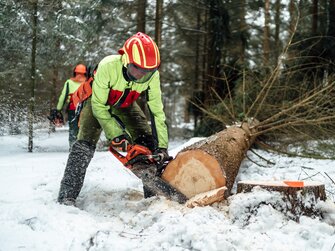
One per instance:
(65, 100)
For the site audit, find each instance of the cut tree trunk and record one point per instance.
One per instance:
(300, 197)
(211, 163)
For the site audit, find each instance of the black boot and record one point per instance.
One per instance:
(79, 158)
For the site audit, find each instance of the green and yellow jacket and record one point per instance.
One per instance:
(65, 97)
(111, 89)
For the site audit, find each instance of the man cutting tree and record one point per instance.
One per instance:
(118, 82)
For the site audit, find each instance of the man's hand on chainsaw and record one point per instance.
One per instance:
(121, 142)
(163, 154)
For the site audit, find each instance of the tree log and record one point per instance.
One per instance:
(211, 163)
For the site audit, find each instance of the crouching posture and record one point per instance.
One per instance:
(118, 82)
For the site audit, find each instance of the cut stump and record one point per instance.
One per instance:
(211, 163)
(301, 197)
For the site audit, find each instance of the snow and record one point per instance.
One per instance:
(112, 215)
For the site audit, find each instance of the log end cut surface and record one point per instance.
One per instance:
(193, 172)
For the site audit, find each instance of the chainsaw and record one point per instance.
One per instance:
(140, 154)
(149, 172)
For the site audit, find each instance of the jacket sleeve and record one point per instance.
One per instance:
(100, 92)
(157, 112)
(63, 97)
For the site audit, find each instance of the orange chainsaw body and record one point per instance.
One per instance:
(133, 151)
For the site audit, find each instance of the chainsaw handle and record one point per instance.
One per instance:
(118, 155)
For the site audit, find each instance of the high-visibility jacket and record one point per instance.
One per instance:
(111, 89)
(65, 97)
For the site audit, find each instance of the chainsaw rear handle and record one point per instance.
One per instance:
(140, 154)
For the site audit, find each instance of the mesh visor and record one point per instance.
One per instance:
(139, 75)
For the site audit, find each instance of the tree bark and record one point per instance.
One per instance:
(315, 15)
(266, 38)
(55, 71)
(211, 163)
(141, 7)
(141, 18)
(277, 30)
(31, 110)
(158, 22)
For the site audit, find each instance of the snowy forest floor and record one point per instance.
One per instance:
(111, 213)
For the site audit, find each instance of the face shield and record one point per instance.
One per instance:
(139, 75)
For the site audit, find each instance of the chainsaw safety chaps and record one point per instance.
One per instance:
(79, 158)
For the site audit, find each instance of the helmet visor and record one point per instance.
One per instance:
(139, 75)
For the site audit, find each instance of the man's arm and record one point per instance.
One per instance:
(155, 104)
(100, 93)
(63, 97)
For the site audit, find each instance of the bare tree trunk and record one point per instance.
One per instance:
(219, 32)
(158, 22)
(55, 70)
(292, 18)
(141, 17)
(315, 15)
(277, 31)
(243, 27)
(266, 38)
(292, 22)
(330, 41)
(141, 7)
(31, 110)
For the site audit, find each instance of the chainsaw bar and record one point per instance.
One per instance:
(148, 168)
(154, 185)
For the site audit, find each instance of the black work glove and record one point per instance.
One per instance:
(163, 153)
(121, 142)
(56, 117)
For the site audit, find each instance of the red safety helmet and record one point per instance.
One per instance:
(80, 68)
(141, 57)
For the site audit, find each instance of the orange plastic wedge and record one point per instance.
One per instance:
(294, 183)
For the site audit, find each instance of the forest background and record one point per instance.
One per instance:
(222, 61)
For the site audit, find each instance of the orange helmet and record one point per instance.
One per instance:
(80, 68)
(141, 51)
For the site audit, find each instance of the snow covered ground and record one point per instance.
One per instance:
(112, 215)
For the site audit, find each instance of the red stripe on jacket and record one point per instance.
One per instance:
(115, 95)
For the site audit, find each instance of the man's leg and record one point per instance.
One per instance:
(80, 156)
